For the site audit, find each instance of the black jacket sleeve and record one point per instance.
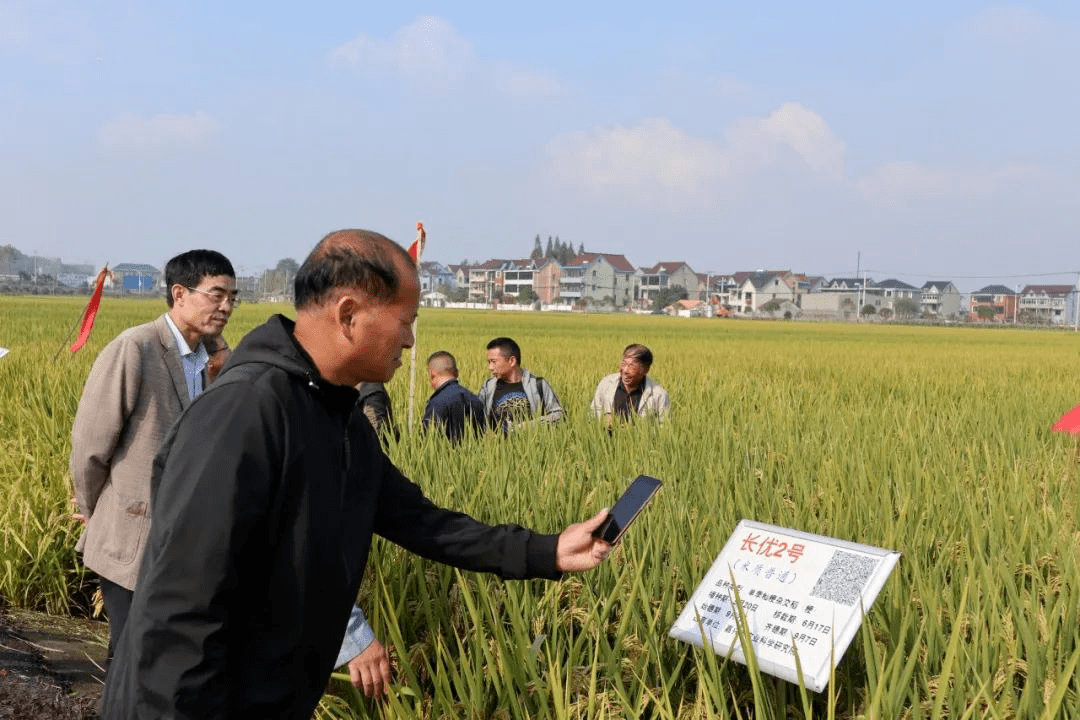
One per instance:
(409, 519)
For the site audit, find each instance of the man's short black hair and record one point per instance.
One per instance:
(507, 347)
(359, 259)
(189, 269)
(640, 353)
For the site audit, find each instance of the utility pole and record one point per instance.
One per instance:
(858, 305)
(862, 293)
(1076, 304)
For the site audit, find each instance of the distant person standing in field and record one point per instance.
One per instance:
(451, 406)
(513, 395)
(267, 492)
(138, 386)
(374, 402)
(631, 392)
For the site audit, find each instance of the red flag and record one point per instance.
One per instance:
(91, 310)
(417, 248)
(1069, 422)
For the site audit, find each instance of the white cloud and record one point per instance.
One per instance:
(782, 155)
(158, 132)
(652, 154)
(655, 155)
(431, 55)
(428, 52)
(756, 140)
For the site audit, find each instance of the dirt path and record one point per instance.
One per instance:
(49, 666)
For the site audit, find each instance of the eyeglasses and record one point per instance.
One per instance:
(218, 296)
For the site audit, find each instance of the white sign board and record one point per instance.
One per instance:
(799, 593)
(3, 352)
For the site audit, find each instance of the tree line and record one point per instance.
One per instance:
(560, 252)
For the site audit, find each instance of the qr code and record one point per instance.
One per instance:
(844, 578)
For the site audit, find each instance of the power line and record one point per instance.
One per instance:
(981, 277)
(849, 273)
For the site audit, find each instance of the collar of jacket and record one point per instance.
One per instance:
(445, 386)
(273, 343)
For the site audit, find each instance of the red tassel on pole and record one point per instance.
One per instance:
(91, 310)
(417, 248)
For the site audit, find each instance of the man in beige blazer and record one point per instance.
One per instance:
(137, 388)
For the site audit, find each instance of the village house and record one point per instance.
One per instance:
(650, 282)
(1052, 304)
(893, 290)
(755, 289)
(598, 277)
(461, 275)
(137, 277)
(485, 281)
(688, 308)
(434, 275)
(940, 298)
(993, 303)
(540, 276)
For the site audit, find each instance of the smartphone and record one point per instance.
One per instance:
(632, 502)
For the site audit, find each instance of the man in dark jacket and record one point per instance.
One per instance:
(451, 407)
(266, 494)
(374, 402)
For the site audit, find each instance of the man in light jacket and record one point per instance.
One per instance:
(138, 386)
(631, 392)
(513, 396)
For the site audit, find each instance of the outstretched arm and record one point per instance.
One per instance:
(406, 517)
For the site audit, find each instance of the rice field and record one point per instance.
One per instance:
(934, 442)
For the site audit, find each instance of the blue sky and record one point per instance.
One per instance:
(940, 140)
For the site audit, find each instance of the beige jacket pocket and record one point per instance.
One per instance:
(117, 529)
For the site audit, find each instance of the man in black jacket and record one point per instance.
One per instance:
(451, 407)
(266, 494)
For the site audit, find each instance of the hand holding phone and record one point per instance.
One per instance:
(632, 502)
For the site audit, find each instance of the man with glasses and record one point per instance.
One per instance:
(631, 392)
(216, 347)
(137, 387)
